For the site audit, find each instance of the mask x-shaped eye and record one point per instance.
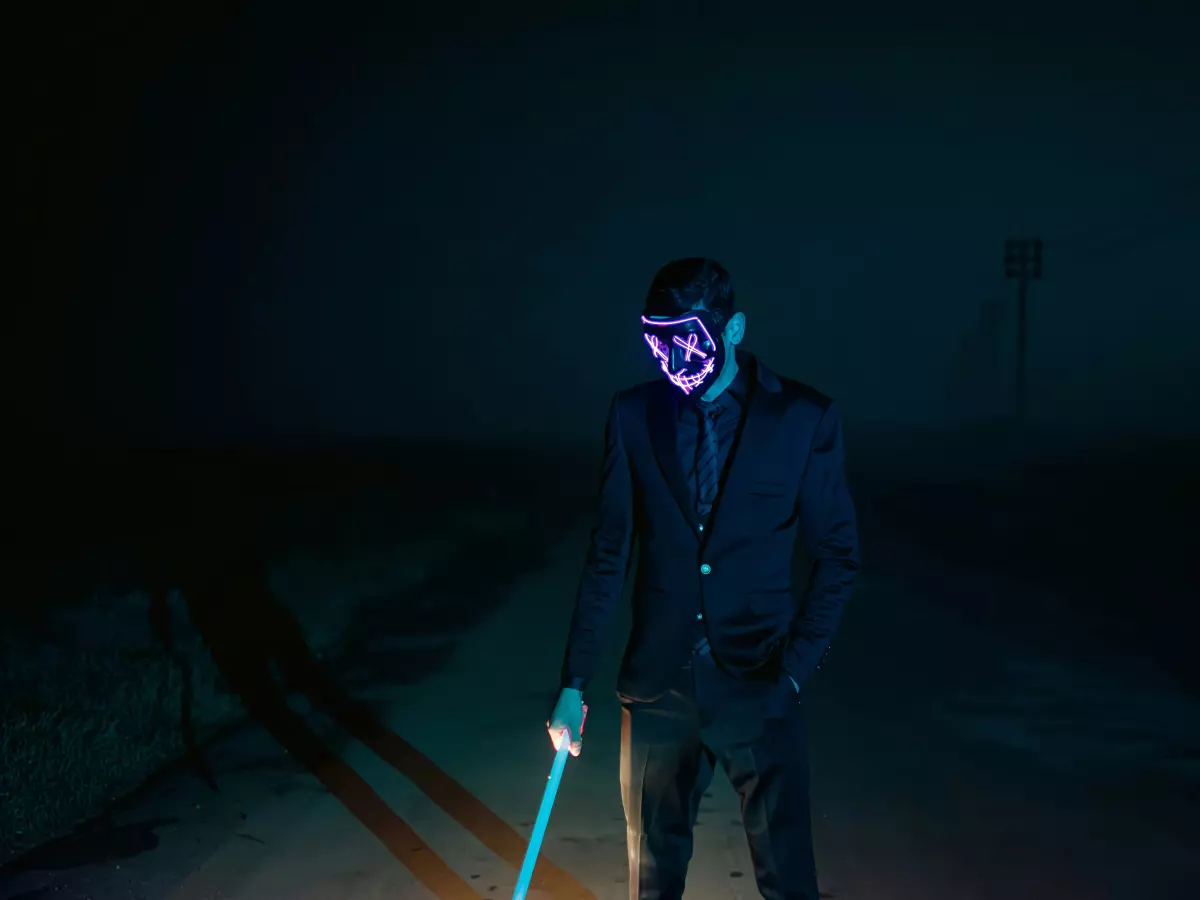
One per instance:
(689, 346)
(657, 347)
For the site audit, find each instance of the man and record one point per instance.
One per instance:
(715, 469)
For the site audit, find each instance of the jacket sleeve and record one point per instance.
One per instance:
(607, 562)
(829, 535)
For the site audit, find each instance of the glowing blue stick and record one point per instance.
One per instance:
(543, 817)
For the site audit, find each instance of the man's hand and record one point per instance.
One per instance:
(568, 716)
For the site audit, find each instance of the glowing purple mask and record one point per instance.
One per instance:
(685, 349)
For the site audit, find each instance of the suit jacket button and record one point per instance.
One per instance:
(705, 569)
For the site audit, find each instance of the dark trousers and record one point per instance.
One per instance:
(670, 747)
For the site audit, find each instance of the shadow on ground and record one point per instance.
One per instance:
(97, 843)
(216, 551)
(253, 638)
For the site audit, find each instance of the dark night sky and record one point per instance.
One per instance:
(266, 221)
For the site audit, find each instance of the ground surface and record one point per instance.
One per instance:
(962, 748)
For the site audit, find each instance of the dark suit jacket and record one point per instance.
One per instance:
(786, 480)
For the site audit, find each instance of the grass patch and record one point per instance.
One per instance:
(90, 707)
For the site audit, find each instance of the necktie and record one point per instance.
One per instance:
(707, 475)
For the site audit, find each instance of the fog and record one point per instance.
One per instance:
(351, 224)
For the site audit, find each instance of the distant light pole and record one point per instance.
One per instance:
(1022, 261)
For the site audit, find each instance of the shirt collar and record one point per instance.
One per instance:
(736, 396)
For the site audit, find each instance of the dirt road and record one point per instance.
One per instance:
(949, 761)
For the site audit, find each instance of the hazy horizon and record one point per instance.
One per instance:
(353, 225)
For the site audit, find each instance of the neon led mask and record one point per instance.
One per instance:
(685, 349)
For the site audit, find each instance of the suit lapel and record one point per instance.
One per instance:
(662, 411)
(753, 444)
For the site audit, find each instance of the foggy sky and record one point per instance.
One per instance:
(354, 224)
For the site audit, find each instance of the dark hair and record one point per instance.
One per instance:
(692, 283)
